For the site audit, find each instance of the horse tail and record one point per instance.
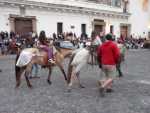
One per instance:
(17, 68)
(70, 69)
(17, 72)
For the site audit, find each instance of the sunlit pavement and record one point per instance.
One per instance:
(132, 92)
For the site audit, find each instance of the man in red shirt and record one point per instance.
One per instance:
(108, 55)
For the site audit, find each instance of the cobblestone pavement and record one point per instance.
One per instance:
(132, 92)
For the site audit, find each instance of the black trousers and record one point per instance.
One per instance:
(118, 67)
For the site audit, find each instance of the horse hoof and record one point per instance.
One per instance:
(16, 87)
(99, 83)
(34, 77)
(81, 86)
(30, 86)
(120, 76)
(102, 92)
(68, 90)
(49, 82)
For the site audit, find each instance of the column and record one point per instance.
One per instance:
(34, 25)
(12, 24)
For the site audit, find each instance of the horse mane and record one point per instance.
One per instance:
(57, 46)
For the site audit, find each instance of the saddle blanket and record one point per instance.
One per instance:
(66, 44)
(26, 56)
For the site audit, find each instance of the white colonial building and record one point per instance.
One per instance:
(57, 16)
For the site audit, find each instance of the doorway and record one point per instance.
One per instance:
(23, 26)
(125, 30)
(59, 28)
(99, 26)
(83, 28)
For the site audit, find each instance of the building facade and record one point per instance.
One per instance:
(58, 16)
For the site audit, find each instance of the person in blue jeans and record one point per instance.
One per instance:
(35, 71)
(35, 67)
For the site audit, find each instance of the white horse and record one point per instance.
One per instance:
(78, 60)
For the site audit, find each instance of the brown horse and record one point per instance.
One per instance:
(37, 56)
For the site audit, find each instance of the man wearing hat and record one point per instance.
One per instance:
(108, 55)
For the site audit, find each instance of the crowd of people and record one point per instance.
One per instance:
(134, 43)
(8, 41)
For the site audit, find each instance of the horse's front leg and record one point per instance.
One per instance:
(69, 77)
(49, 76)
(19, 72)
(27, 79)
(70, 69)
(78, 78)
(70, 83)
(27, 73)
(63, 71)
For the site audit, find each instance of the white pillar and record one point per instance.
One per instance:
(117, 30)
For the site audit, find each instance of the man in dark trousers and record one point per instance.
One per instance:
(108, 55)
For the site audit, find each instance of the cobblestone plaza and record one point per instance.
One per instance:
(131, 94)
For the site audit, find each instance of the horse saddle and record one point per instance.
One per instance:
(65, 44)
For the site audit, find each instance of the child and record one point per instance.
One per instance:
(44, 46)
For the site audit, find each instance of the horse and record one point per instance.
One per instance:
(78, 59)
(29, 56)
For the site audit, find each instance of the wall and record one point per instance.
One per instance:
(47, 21)
(4, 17)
